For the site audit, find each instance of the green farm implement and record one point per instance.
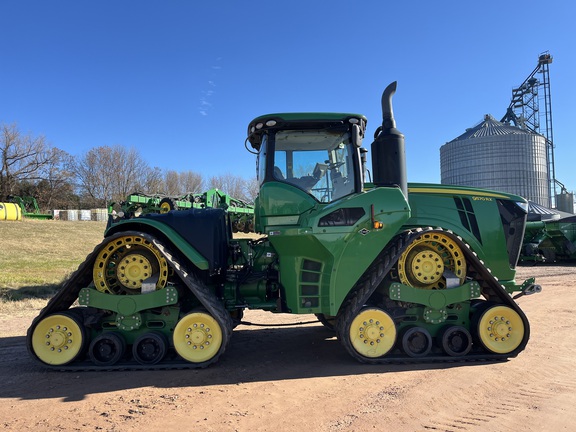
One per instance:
(241, 213)
(29, 207)
(550, 241)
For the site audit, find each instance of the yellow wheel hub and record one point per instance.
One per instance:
(57, 339)
(424, 261)
(197, 337)
(125, 263)
(426, 266)
(165, 207)
(133, 269)
(501, 329)
(372, 333)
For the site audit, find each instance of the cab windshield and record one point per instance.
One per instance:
(319, 162)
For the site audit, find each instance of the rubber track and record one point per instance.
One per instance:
(82, 278)
(368, 283)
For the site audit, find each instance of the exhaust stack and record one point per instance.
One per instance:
(388, 153)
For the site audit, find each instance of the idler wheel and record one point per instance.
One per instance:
(59, 338)
(500, 329)
(197, 337)
(372, 333)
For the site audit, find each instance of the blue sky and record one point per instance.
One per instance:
(180, 80)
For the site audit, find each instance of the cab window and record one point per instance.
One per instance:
(261, 161)
(318, 162)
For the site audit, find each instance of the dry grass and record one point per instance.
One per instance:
(36, 256)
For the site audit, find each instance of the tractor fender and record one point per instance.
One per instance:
(159, 229)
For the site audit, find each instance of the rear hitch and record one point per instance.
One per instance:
(528, 288)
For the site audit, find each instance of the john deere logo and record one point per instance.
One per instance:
(364, 231)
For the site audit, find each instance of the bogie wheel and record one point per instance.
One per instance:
(198, 337)
(456, 341)
(416, 342)
(126, 262)
(500, 329)
(167, 204)
(372, 333)
(59, 338)
(426, 259)
(150, 348)
(106, 349)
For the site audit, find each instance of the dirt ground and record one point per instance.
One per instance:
(300, 378)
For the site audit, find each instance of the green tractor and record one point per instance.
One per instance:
(401, 272)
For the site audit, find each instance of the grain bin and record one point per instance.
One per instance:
(497, 156)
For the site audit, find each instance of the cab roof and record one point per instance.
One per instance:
(305, 120)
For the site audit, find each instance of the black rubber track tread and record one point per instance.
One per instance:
(375, 274)
(82, 278)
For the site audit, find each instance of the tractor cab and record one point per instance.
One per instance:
(316, 153)
(304, 161)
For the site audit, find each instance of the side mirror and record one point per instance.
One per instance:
(356, 135)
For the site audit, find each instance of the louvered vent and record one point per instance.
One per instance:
(310, 277)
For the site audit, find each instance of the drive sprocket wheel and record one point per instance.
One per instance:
(425, 261)
(125, 262)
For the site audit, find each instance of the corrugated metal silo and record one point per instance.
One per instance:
(497, 156)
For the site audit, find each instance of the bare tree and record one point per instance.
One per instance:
(191, 182)
(180, 183)
(228, 183)
(172, 183)
(22, 157)
(236, 186)
(153, 182)
(56, 186)
(251, 190)
(131, 171)
(108, 174)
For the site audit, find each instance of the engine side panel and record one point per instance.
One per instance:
(475, 215)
